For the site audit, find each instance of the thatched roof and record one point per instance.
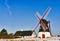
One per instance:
(23, 33)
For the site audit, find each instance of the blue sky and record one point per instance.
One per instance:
(20, 14)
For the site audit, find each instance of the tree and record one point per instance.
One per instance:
(5, 35)
(3, 32)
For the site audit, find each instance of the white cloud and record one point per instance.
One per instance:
(8, 7)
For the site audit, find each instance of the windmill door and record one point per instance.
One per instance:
(43, 35)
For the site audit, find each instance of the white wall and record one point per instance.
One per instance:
(47, 34)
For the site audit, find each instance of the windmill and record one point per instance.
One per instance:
(45, 26)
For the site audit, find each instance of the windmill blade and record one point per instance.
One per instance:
(38, 15)
(49, 28)
(50, 31)
(35, 26)
(44, 26)
(46, 12)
